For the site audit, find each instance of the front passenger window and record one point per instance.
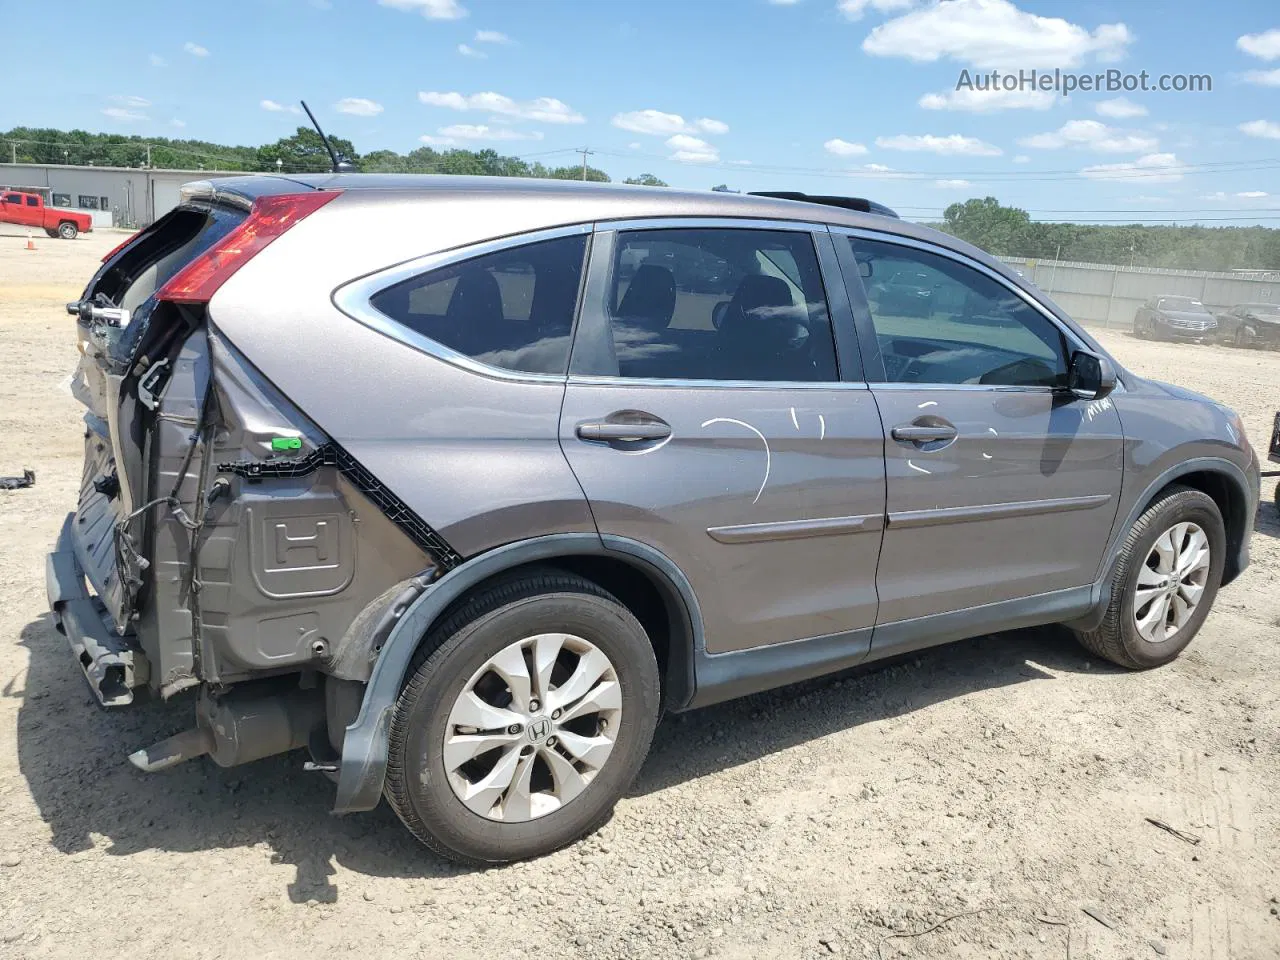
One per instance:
(939, 321)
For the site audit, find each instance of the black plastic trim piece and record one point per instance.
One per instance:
(332, 455)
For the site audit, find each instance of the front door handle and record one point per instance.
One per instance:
(608, 430)
(925, 430)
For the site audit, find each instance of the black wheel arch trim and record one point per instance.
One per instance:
(1249, 491)
(362, 770)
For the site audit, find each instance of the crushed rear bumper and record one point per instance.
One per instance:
(113, 664)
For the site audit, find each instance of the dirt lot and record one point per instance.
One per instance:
(1002, 781)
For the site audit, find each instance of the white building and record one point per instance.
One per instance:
(115, 196)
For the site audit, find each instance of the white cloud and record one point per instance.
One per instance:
(541, 109)
(358, 107)
(986, 101)
(470, 131)
(692, 149)
(1263, 45)
(1153, 168)
(877, 171)
(431, 9)
(947, 146)
(157, 60)
(741, 163)
(271, 106)
(843, 148)
(994, 33)
(952, 184)
(1252, 194)
(1120, 108)
(431, 141)
(635, 146)
(784, 3)
(854, 9)
(492, 36)
(195, 49)
(1022, 158)
(469, 51)
(659, 124)
(1091, 135)
(120, 113)
(131, 101)
(1266, 129)
(1263, 78)
(177, 123)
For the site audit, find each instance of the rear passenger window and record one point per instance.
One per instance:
(720, 304)
(512, 309)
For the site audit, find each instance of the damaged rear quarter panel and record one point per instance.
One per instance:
(477, 458)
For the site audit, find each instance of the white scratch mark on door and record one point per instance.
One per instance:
(920, 469)
(822, 427)
(768, 457)
(794, 422)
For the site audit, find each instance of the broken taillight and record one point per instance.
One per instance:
(120, 246)
(270, 216)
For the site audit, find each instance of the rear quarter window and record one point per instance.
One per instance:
(512, 309)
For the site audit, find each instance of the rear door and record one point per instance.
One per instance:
(1001, 484)
(706, 416)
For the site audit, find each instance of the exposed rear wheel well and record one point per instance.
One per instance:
(1231, 502)
(647, 594)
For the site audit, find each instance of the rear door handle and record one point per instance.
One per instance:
(924, 433)
(606, 430)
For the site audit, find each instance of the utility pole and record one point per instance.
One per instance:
(13, 151)
(148, 156)
(585, 152)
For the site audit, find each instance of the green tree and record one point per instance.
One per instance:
(723, 188)
(986, 224)
(304, 152)
(646, 180)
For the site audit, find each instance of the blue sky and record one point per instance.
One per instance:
(839, 96)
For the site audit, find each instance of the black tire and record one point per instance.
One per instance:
(50, 232)
(417, 785)
(68, 230)
(1117, 638)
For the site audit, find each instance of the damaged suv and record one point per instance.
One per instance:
(460, 483)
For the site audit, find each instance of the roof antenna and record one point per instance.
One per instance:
(338, 165)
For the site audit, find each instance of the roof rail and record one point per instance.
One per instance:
(848, 203)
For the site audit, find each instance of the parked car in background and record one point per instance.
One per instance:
(1174, 318)
(463, 509)
(1251, 325)
(29, 210)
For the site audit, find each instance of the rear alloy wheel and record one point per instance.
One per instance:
(528, 713)
(1165, 579)
(67, 230)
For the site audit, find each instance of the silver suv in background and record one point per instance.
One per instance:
(463, 508)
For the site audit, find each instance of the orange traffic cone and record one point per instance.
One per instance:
(31, 244)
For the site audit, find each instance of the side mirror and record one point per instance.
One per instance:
(1091, 376)
(865, 269)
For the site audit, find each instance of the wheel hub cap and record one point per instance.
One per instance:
(1171, 582)
(532, 727)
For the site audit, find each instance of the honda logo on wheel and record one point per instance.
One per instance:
(539, 729)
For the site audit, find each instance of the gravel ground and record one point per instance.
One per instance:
(1002, 782)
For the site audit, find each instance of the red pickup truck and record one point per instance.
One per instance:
(28, 209)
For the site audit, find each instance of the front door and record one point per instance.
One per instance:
(1001, 485)
(706, 416)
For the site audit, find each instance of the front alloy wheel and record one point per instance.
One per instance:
(1171, 582)
(1164, 580)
